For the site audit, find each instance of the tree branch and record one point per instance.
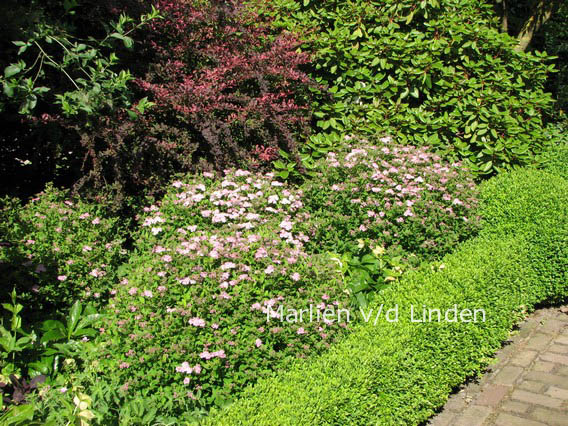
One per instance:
(541, 13)
(504, 17)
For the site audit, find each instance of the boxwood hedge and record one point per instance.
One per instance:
(402, 372)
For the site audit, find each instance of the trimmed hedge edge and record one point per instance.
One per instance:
(402, 372)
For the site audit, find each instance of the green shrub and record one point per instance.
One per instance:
(58, 250)
(426, 75)
(400, 373)
(556, 159)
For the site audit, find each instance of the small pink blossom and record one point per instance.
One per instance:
(261, 253)
(258, 343)
(97, 273)
(197, 322)
(228, 265)
(62, 277)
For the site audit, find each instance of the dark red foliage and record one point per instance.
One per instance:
(222, 76)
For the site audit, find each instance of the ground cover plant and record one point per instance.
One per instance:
(392, 373)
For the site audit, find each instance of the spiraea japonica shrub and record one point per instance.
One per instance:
(58, 250)
(194, 317)
(403, 198)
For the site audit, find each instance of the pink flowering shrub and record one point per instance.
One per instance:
(400, 197)
(212, 261)
(58, 250)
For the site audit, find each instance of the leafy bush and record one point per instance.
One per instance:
(392, 373)
(58, 250)
(393, 195)
(41, 361)
(556, 159)
(423, 73)
(217, 72)
(62, 78)
(224, 88)
(188, 327)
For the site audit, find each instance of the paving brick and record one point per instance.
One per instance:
(558, 359)
(455, 403)
(508, 420)
(538, 341)
(443, 419)
(563, 370)
(474, 415)
(534, 398)
(492, 395)
(505, 353)
(550, 417)
(562, 340)
(524, 358)
(552, 326)
(551, 379)
(557, 392)
(515, 406)
(544, 366)
(559, 349)
(508, 375)
(527, 328)
(529, 385)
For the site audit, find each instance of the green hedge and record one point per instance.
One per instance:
(556, 159)
(400, 373)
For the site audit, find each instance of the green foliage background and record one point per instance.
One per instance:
(436, 73)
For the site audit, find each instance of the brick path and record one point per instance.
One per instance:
(528, 384)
